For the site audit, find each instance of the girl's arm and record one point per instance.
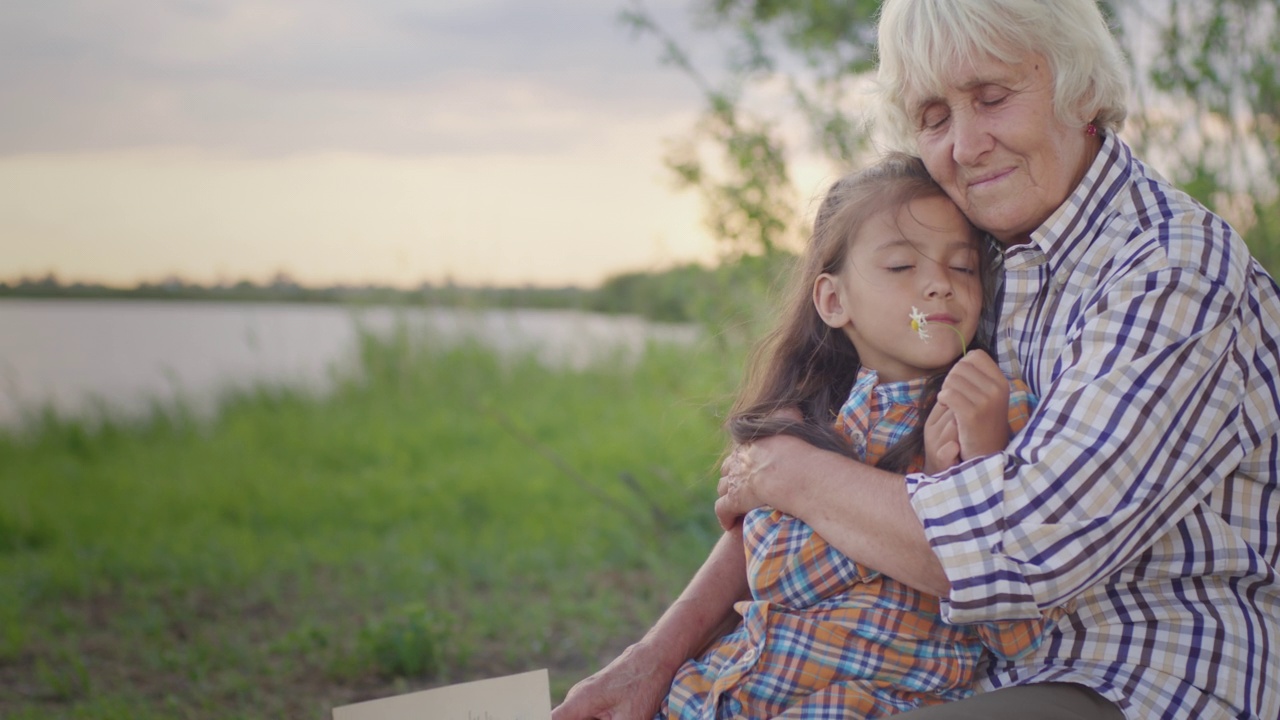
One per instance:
(634, 684)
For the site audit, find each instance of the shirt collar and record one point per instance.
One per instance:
(891, 393)
(1066, 236)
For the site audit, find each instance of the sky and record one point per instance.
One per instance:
(398, 142)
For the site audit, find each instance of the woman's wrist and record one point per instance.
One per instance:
(782, 487)
(657, 656)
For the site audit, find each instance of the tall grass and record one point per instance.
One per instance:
(446, 515)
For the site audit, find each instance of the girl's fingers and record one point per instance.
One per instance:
(940, 415)
(949, 453)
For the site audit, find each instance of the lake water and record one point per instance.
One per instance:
(86, 357)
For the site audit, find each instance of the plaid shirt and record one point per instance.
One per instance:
(825, 637)
(1145, 487)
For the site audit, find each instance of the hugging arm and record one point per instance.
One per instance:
(1135, 427)
(862, 511)
(1132, 432)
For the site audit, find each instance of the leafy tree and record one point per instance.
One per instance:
(1206, 104)
(808, 53)
(1209, 90)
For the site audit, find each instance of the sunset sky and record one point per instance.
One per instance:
(389, 141)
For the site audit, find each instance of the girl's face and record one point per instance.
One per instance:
(919, 255)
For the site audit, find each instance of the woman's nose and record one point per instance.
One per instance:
(969, 139)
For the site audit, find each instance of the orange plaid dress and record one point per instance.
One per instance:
(825, 637)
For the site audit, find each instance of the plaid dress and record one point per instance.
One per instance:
(826, 637)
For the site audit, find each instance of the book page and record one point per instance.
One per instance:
(516, 697)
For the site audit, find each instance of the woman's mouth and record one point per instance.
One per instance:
(989, 179)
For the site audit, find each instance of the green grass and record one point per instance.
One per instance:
(448, 516)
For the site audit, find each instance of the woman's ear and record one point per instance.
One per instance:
(827, 300)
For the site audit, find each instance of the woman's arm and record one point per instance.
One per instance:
(862, 511)
(1138, 424)
(634, 684)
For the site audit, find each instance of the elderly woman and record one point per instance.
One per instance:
(1143, 495)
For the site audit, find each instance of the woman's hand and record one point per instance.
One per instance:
(633, 686)
(751, 472)
(736, 492)
(975, 397)
(626, 689)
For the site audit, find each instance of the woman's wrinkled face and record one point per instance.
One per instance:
(995, 144)
(922, 256)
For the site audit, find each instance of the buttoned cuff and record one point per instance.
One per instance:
(962, 510)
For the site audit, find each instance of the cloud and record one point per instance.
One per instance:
(265, 77)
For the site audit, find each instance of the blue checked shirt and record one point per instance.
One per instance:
(1145, 485)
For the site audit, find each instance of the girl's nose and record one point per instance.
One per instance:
(945, 291)
(937, 281)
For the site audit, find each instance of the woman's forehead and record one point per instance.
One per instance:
(965, 74)
(960, 71)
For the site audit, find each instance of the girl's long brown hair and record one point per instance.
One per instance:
(803, 364)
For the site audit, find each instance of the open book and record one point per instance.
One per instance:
(516, 697)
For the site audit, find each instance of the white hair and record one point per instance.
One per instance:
(920, 39)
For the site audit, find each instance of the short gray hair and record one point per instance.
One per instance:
(919, 39)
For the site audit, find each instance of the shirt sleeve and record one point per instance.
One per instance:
(1016, 639)
(1136, 424)
(1013, 640)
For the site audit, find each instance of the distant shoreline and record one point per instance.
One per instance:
(283, 290)
(85, 358)
(678, 294)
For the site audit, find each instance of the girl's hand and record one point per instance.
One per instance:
(941, 440)
(976, 395)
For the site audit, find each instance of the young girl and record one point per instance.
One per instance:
(888, 296)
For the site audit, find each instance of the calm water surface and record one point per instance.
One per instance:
(83, 358)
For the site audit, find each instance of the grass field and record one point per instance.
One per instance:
(448, 516)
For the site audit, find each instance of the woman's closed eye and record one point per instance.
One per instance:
(993, 96)
(934, 119)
